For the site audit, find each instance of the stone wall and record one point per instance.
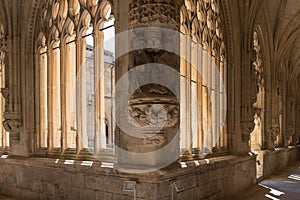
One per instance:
(275, 160)
(39, 178)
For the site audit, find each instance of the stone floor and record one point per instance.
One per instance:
(5, 198)
(280, 186)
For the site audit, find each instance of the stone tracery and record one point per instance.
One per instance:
(61, 54)
(201, 20)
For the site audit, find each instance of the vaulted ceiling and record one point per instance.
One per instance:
(285, 24)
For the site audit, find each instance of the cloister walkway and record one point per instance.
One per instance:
(284, 185)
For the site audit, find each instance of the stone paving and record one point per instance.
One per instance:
(281, 186)
(5, 198)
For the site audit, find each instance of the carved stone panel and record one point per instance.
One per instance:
(12, 121)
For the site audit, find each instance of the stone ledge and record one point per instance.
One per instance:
(33, 178)
(97, 167)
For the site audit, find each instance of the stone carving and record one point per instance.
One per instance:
(154, 115)
(256, 85)
(2, 55)
(247, 127)
(156, 140)
(13, 124)
(3, 46)
(13, 121)
(257, 63)
(153, 37)
(204, 20)
(150, 143)
(156, 13)
(275, 131)
(55, 14)
(5, 94)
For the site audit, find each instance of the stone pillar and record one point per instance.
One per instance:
(100, 140)
(12, 122)
(82, 139)
(148, 121)
(3, 101)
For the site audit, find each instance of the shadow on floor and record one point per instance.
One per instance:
(282, 186)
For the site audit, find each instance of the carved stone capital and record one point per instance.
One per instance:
(157, 13)
(247, 127)
(160, 115)
(13, 126)
(12, 122)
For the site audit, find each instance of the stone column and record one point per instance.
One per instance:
(100, 140)
(55, 100)
(148, 121)
(82, 139)
(3, 134)
(12, 122)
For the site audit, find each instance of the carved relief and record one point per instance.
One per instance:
(13, 126)
(2, 56)
(150, 143)
(3, 46)
(156, 13)
(247, 127)
(12, 121)
(154, 115)
(252, 107)
(257, 63)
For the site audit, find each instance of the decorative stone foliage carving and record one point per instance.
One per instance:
(13, 121)
(3, 46)
(156, 13)
(154, 115)
(257, 63)
(12, 124)
(256, 86)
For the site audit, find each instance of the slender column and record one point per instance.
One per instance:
(188, 111)
(82, 135)
(183, 100)
(199, 97)
(205, 101)
(42, 80)
(100, 139)
(63, 94)
(56, 98)
(50, 103)
(68, 96)
(2, 100)
(71, 51)
(37, 100)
